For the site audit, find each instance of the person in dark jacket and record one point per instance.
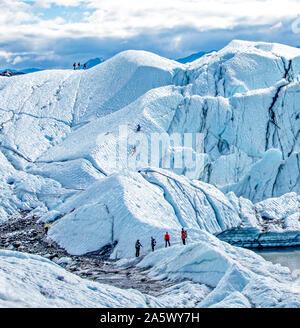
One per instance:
(138, 246)
(153, 243)
(78, 65)
(167, 239)
(74, 65)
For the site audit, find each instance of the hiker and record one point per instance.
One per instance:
(167, 239)
(138, 246)
(153, 243)
(84, 66)
(183, 236)
(138, 128)
(78, 65)
(74, 65)
(133, 150)
(46, 228)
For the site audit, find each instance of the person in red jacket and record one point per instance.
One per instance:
(183, 236)
(167, 239)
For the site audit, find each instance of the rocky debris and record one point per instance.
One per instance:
(26, 234)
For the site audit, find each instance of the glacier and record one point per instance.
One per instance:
(242, 98)
(59, 136)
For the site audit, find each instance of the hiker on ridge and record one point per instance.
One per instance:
(153, 243)
(183, 236)
(138, 246)
(133, 150)
(167, 239)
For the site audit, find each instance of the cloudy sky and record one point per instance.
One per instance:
(55, 33)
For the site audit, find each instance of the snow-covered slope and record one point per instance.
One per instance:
(238, 277)
(33, 281)
(46, 105)
(129, 206)
(209, 273)
(134, 206)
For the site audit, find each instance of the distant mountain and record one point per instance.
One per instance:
(93, 62)
(10, 73)
(193, 57)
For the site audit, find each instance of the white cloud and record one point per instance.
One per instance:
(66, 3)
(14, 12)
(119, 18)
(5, 55)
(17, 60)
(9, 57)
(124, 20)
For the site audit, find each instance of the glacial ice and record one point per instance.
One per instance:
(59, 130)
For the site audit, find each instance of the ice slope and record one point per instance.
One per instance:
(245, 128)
(209, 273)
(127, 206)
(154, 111)
(120, 80)
(21, 191)
(258, 84)
(33, 281)
(75, 174)
(132, 206)
(274, 221)
(37, 111)
(238, 277)
(243, 66)
(40, 109)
